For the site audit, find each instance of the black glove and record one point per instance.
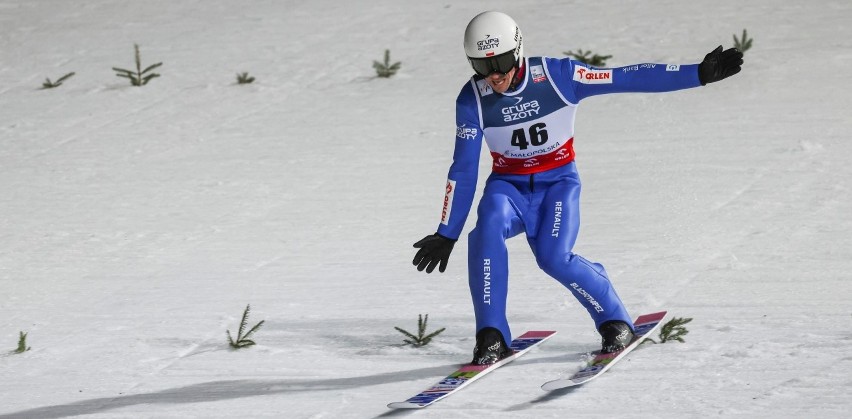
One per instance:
(433, 249)
(719, 64)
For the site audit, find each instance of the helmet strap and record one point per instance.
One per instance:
(519, 75)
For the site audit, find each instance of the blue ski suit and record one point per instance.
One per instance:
(534, 186)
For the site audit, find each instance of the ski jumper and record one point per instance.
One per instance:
(534, 186)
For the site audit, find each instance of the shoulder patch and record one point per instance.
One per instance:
(537, 73)
(484, 87)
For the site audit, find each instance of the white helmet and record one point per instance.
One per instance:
(493, 43)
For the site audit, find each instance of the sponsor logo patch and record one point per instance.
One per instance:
(588, 297)
(673, 67)
(484, 87)
(488, 43)
(537, 73)
(448, 201)
(486, 281)
(531, 162)
(592, 76)
(465, 133)
(520, 110)
(557, 219)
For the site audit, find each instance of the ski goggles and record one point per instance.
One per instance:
(502, 64)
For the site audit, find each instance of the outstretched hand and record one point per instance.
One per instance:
(434, 250)
(719, 64)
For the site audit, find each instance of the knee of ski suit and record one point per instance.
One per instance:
(570, 267)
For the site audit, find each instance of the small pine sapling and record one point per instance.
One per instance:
(421, 339)
(50, 85)
(22, 343)
(673, 330)
(586, 57)
(139, 77)
(744, 43)
(386, 69)
(244, 78)
(243, 340)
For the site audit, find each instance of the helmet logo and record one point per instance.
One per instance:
(488, 43)
(518, 40)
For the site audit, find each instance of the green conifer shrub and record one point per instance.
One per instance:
(139, 77)
(744, 43)
(587, 57)
(51, 84)
(421, 338)
(243, 340)
(386, 69)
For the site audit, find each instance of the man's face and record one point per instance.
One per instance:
(500, 82)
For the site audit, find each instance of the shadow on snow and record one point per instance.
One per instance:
(224, 390)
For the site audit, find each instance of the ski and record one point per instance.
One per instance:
(471, 372)
(643, 327)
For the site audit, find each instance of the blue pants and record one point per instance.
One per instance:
(547, 207)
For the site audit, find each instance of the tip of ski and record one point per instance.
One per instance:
(600, 363)
(561, 383)
(406, 405)
(469, 373)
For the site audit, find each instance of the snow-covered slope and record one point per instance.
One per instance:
(137, 223)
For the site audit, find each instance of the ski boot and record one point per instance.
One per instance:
(490, 347)
(616, 335)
